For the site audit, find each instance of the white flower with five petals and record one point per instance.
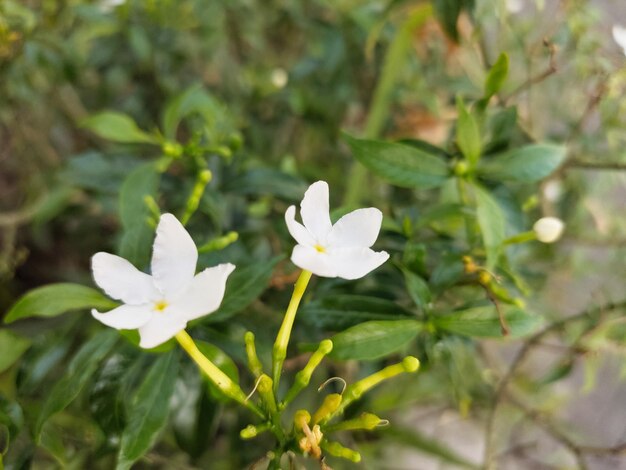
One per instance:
(160, 306)
(340, 250)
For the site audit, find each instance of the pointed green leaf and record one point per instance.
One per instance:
(338, 312)
(492, 224)
(148, 411)
(525, 164)
(56, 299)
(374, 339)
(483, 322)
(468, 134)
(399, 164)
(417, 288)
(497, 75)
(80, 370)
(12, 346)
(117, 127)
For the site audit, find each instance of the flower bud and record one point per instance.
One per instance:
(548, 229)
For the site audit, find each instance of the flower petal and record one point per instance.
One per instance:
(121, 280)
(359, 228)
(159, 329)
(354, 263)
(125, 317)
(174, 256)
(315, 210)
(309, 258)
(204, 294)
(296, 229)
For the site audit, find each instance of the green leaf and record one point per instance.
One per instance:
(492, 224)
(425, 444)
(483, 322)
(4, 440)
(448, 12)
(401, 165)
(373, 339)
(243, 287)
(81, 369)
(149, 410)
(417, 288)
(264, 181)
(468, 134)
(526, 164)
(497, 75)
(136, 242)
(194, 100)
(117, 127)
(338, 312)
(12, 346)
(56, 299)
(223, 362)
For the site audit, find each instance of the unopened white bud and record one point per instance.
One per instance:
(619, 35)
(279, 78)
(553, 190)
(548, 229)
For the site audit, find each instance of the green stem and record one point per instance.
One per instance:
(279, 352)
(395, 59)
(202, 179)
(219, 378)
(304, 376)
(521, 238)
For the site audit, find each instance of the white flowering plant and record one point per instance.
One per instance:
(302, 260)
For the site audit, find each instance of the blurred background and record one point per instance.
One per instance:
(259, 93)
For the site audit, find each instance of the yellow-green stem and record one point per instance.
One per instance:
(279, 352)
(202, 179)
(254, 364)
(219, 378)
(304, 376)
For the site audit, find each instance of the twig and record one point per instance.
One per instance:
(579, 164)
(501, 390)
(551, 69)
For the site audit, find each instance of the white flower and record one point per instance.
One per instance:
(340, 250)
(619, 34)
(160, 306)
(548, 229)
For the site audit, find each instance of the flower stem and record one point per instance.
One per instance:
(219, 378)
(202, 179)
(279, 352)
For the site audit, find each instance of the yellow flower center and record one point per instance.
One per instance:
(160, 305)
(319, 248)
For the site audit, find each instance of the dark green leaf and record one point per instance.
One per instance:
(194, 100)
(56, 299)
(527, 164)
(264, 181)
(448, 12)
(497, 75)
(374, 339)
(149, 410)
(12, 346)
(80, 370)
(468, 134)
(502, 126)
(492, 224)
(4, 439)
(137, 236)
(425, 444)
(243, 287)
(401, 165)
(338, 312)
(417, 288)
(483, 322)
(117, 127)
